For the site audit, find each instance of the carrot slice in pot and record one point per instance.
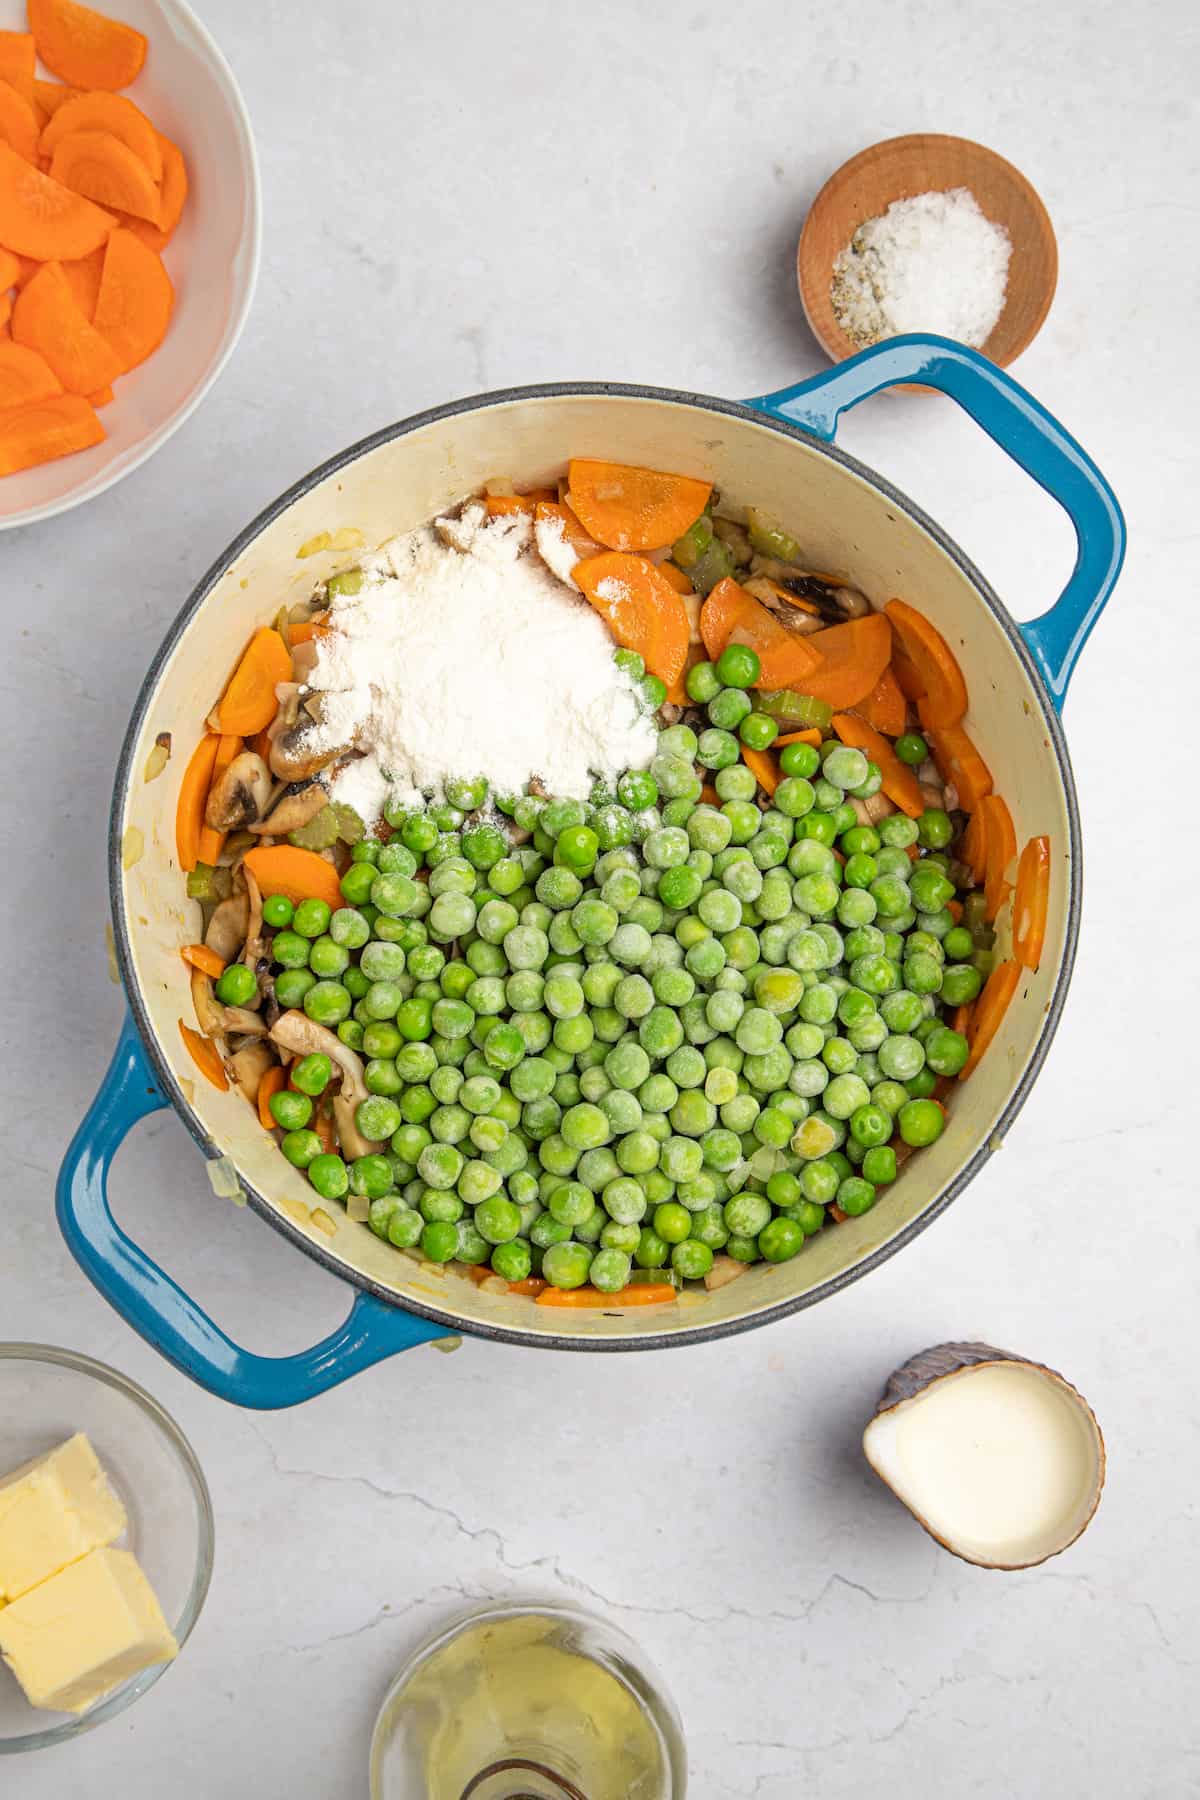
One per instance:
(641, 609)
(1031, 902)
(675, 577)
(43, 219)
(812, 736)
(852, 657)
(134, 298)
(958, 761)
(648, 1293)
(205, 1055)
(193, 792)
(18, 123)
(989, 1010)
(732, 616)
(199, 956)
(85, 48)
(213, 842)
(1000, 848)
(630, 508)
(300, 874)
(103, 168)
(47, 318)
(40, 431)
(248, 703)
(900, 783)
(106, 112)
(274, 1079)
(945, 697)
(885, 707)
(763, 767)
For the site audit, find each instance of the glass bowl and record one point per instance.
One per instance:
(45, 1396)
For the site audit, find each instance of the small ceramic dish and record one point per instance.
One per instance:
(45, 1396)
(189, 91)
(928, 162)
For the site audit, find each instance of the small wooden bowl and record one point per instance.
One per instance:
(928, 162)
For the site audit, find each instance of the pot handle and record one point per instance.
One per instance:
(1026, 432)
(157, 1307)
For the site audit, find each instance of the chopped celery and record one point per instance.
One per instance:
(321, 832)
(207, 883)
(345, 584)
(790, 708)
(654, 1278)
(688, 549)
(350, 826)
(713, 566)
(769, 538)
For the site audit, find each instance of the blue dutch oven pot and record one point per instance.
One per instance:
(776, 452)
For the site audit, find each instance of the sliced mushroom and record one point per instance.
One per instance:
(249, 1065)
(294, 808)
(350, 1138)
(255, 949)
(869, 812)
(737, 538)
(295, 1032)
(835, 600)
(304, 658)
(297, 755)
(240, 1020)
(793, 618)
(932, 796)
(217, 1021)
(240, 795)
(227, 928)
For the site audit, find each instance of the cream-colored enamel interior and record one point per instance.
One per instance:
(846, 525)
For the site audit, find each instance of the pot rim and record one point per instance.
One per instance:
(448, 1316)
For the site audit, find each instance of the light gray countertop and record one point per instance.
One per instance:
(459, 198)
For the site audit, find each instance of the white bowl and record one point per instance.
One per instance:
(189, 91)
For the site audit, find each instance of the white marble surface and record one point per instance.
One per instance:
(465, 197)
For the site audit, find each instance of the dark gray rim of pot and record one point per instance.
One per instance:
(702, 403)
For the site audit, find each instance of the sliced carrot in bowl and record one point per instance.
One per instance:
(944, 700)
(885, 707)
(851, 659)
(39, 217)
(629, 508)
(42, 430)
(732, 616)
(134, 300)
(18, 63)
(47, 318)
(18, 123)
(640, 608)
(103, 168)
(83, 47)
(113, 113)
(25, 376)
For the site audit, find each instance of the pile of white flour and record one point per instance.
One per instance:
(467, 661)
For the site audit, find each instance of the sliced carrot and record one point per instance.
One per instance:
(648, 1293)
(1031, 902)
(27, 267)
(945, 698)
(763, 767)
(532, 1284)
(885, 707)
(47, 318)
(199, 956)
(248, 703)
(260, 743)
(135, 298)
(811, 736)
(709, 795)
(83, 279)
(39, 217)
(631, 508)
(48, 96)
(6, 307)
(955, 909)
(101, 167)
(1000, 842)
(174, 192)
(300, 874)
(958, 761)
(18, 123)
(107, 112)
(989, 1010)
(18, 63)
(852, 657)
(973, 848)
(42, 430)
(193, 792)
(102, 397)
(322, 1124)
(11, 266)
(507, 506)
(205, 1055)
(26, 377)
(274, 1079)
(732, 616)
(640, 607)
(900, 783)
(83, 47)
(960, 1019)
(676, 577)
(213, 842)
(908, 678)
(557, 511)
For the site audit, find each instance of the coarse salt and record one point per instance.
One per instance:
(470, 657)
(933, 262)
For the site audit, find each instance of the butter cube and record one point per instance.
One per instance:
(85, 1631)
(53, 1510)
